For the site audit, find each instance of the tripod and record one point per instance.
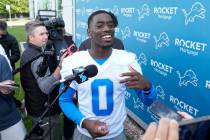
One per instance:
(36, 127)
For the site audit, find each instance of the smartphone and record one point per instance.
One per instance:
(161, 110)
(195, 129)
(11, 85)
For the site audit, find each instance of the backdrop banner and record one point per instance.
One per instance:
(171, 41)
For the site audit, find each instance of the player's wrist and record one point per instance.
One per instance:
(147, 86)
(84, 123)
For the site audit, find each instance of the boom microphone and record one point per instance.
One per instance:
(31, 60)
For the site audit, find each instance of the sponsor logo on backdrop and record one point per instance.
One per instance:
(141, 36)
(189, 77)
(161, 68)
(162, 40)
(138, 104)
(80, 37)
(115, 10)
(165, 13)
(142, 59)
(190, 47)
(81, 24)
(197, 11)
(207, 84)
(117, 31)
(127, 95)
(179, 104)
(143, 11)
(160, 92)
(106, 9)
(80, 11)
(128, 12)
(126, 33)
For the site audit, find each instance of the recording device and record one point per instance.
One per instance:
(13, 85)
(81, 74)
(161, 110)
(195, 129)
(70, 50)
(42, 67)
(31, 60)
(53, 26)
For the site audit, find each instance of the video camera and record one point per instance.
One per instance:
(53, 24)
(54, 27)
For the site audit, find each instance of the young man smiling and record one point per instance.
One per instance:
(101, 99)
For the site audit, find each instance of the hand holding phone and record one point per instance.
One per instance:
(10, 85)
(161, 110)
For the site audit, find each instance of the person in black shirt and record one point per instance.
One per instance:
(117, 44)
(11, 47)
(9, 43)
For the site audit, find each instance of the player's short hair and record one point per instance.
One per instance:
(114, 18)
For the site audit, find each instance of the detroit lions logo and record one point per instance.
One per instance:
(189, 77)
(160, 92)
(127, 95)
(145, 11)
(162, 41)
(138, 104)
(126, 33)
(115, 10)
(83, 77)
(142, 59)
(197, 10)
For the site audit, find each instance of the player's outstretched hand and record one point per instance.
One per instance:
(134, 79)
(95, 128)
(165, 130)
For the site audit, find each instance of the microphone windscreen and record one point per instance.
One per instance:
(91, 70)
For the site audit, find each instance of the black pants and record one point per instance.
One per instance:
(68, 128)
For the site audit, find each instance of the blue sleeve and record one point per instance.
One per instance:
(68, 107)
(147, 98)
(5, 72)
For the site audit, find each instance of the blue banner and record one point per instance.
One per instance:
(171, 40)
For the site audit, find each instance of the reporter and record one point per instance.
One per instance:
(38, 90)
(11, 125)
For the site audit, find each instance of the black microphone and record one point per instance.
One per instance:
(42, 67)
(81, 74)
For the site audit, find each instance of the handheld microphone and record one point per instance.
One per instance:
(81, 74)
(42, 67)
(70, 50)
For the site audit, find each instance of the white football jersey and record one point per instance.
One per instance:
(102, 97)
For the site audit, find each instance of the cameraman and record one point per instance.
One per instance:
(63, 44)
(37, 89)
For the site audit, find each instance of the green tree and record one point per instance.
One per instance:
(16, 6)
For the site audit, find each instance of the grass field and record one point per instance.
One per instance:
(18, 32)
